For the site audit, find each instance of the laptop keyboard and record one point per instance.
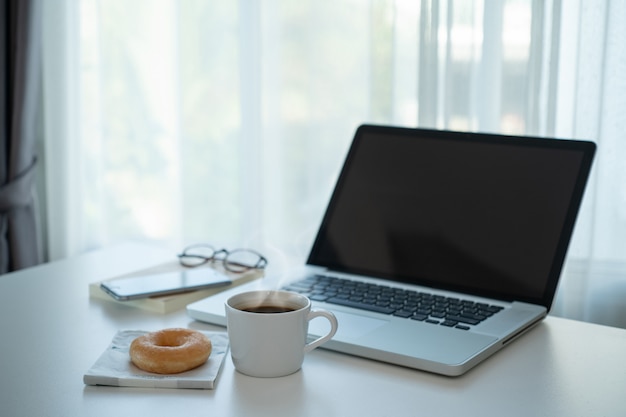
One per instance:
(414, 305)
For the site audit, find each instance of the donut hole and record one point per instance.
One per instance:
(166, 342)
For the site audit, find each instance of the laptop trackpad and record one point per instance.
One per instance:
(412, 339)
(351, 326)
(428, 341)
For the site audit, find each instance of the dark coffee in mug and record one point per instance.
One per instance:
(268, 309)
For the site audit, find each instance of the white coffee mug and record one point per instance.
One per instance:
(268, 331)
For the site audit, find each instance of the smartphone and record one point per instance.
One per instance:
(145, 286)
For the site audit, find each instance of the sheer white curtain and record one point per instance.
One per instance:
(227, 122)
(591, 103)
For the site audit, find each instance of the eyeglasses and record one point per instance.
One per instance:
(237, 260)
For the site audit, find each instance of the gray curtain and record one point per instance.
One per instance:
(20, 97)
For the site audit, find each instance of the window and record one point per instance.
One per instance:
(227, 122)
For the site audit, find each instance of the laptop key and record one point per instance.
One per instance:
(318, 297)
(403, 313)
(296, 288)
(473, 316)
(462, 319)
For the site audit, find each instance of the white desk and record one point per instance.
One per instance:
(52, 332)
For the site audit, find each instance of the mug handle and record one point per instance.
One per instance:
(333, 328)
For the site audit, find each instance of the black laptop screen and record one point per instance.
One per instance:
(485, 214)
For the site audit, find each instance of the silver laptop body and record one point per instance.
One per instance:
(481, 218)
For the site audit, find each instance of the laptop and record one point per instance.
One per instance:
(439, 248)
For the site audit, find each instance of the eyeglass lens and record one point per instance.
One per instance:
(196, 255)
(241, 260)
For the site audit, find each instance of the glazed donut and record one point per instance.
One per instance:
(170, 351)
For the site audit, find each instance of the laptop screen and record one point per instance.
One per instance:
(488, 215)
